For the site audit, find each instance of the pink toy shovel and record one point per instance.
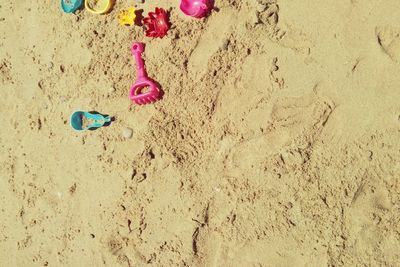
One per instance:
(142, 80)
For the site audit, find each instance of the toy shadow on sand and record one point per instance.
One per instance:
(139, 17)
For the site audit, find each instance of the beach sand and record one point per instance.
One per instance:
(277, 141)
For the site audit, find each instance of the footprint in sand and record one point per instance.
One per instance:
(389, 40)
(370, 199)
(217, 28)
(253, 86)
(295, 121)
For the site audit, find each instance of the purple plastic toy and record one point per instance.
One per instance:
(142, 80)
(196, 8)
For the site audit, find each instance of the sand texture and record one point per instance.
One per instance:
(277, 142)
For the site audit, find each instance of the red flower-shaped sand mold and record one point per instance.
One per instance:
(156, 23)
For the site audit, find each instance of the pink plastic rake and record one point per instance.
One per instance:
(154, 93)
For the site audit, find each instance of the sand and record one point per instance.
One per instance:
(277, 142)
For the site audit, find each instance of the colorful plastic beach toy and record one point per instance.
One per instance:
(69, 6)
(98, 6)
(127, 17)
(156, 23)
(142, 80)
(196, 8)
(82, 121)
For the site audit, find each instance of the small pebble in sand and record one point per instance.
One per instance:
(111, 90)
(127, 133)
(50, 65)
(139, 1)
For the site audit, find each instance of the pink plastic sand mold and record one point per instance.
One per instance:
(157, 23)
(196, 8)
(142, 81)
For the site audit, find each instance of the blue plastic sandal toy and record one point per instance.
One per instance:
(69, 6)
(82, 121)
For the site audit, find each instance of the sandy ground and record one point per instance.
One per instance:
(276, 144)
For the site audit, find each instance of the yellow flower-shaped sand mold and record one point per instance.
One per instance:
(127, 16)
